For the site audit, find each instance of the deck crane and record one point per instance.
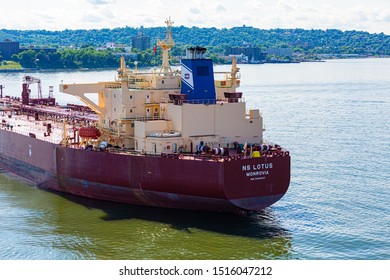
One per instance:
(26, 100)
(27, 81)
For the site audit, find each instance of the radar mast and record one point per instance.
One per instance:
(166, 44)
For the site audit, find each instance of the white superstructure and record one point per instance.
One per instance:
(148, 112)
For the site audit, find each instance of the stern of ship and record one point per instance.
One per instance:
(256, 183)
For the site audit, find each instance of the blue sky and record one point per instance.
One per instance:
(366, 15)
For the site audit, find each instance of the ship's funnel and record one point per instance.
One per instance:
(197, 76)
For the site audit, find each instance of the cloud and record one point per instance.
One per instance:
(198, 21)
(101, 2)
(195, 10)
(220, 8)
(285, 7)
(92, 18)
(97, 18)
(253, 5)
(148, 20)
(371, 16)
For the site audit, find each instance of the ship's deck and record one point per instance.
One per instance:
(28, 126)
(33, 121)
(41, 122)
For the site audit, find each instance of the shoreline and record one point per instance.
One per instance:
(17, 70)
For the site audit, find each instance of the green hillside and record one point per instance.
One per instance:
(308, 41)
(77, 48)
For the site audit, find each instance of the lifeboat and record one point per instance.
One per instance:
(89, 132)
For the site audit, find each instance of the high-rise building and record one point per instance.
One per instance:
(140, 42)
(8, 48)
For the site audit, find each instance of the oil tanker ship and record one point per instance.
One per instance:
(168, 138)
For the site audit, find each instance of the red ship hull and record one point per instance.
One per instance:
(197, 184)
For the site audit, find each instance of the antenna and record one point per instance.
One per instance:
(166, 44)
(1, 91)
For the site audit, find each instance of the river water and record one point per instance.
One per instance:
(334, 117)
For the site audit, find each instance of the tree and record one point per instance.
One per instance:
(330, 40)
(26, 58)
(42, 60)
(69, 59)
(55, 60)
